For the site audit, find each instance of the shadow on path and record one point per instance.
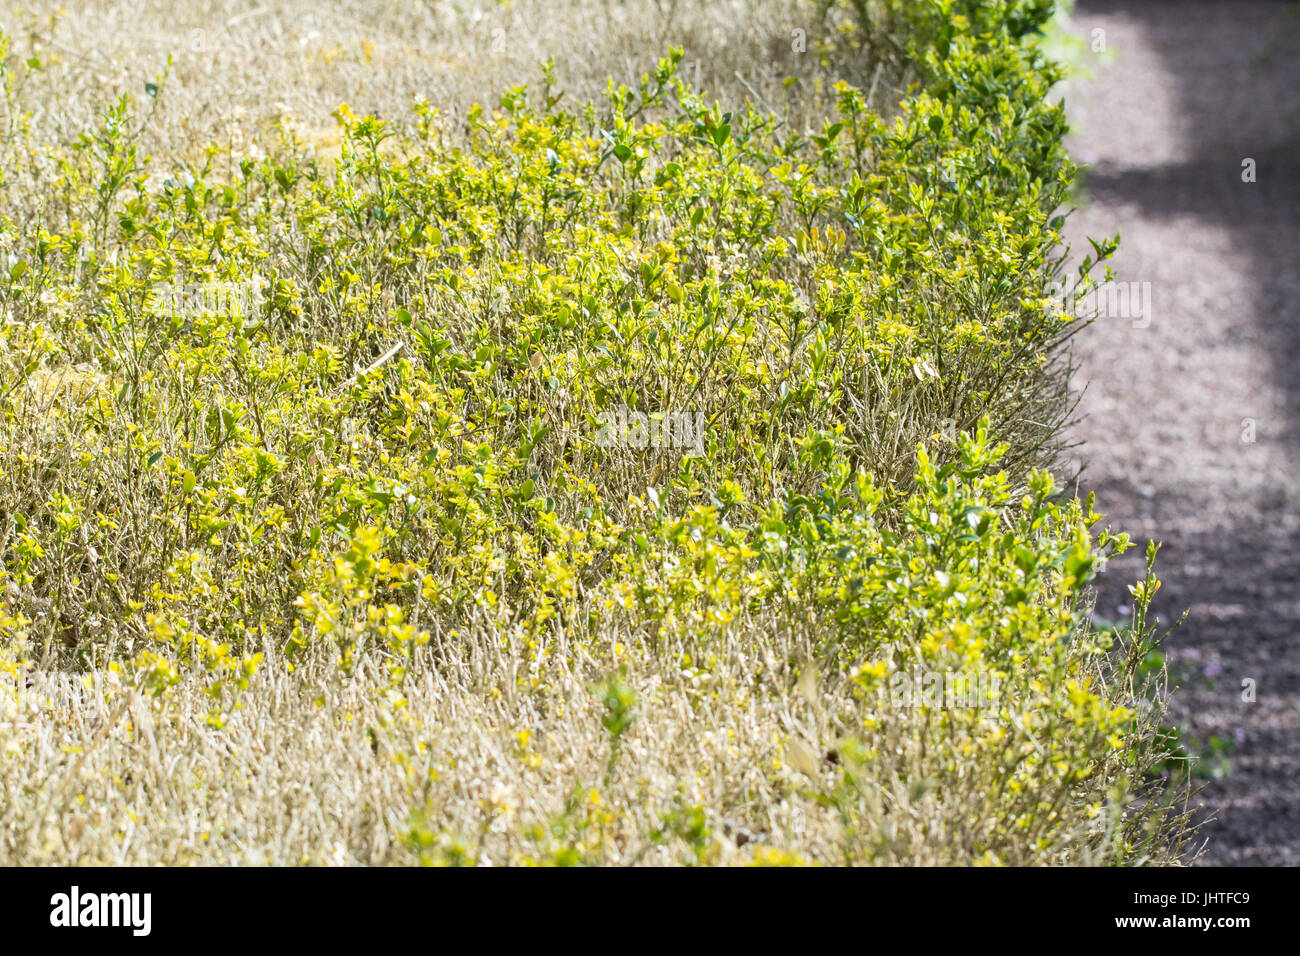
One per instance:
(1192, 425)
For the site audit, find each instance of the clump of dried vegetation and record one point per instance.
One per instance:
(313, 549)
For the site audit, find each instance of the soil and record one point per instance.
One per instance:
(1189, 426)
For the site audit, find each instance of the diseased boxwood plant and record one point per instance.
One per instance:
(269, 408)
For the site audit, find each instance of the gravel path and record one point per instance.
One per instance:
(1190, 424)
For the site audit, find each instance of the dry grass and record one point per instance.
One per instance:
(496, 754)
(241, 70)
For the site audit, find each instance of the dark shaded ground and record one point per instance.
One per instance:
(1165, 127)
